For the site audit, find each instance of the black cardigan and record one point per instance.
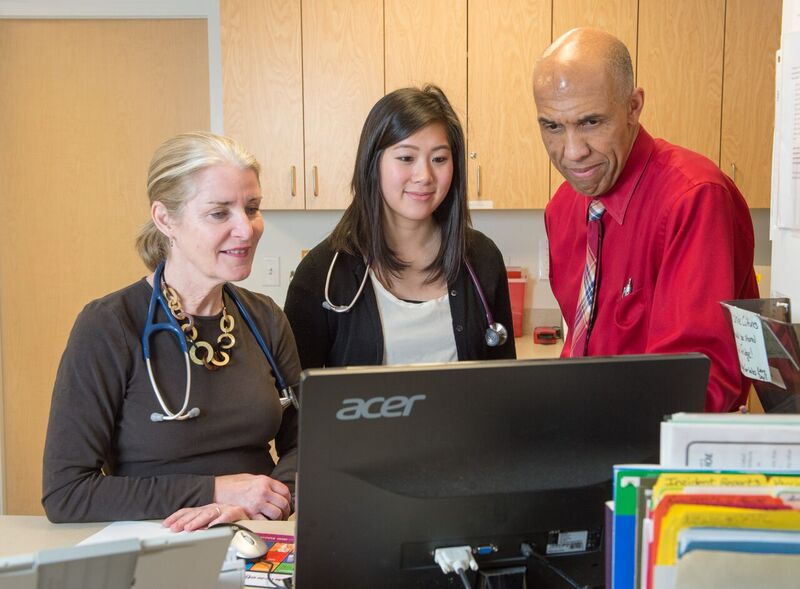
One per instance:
(355, 338)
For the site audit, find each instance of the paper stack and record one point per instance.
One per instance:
(764, 442)
(722, 510)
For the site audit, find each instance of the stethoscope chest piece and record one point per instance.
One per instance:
(496, 335)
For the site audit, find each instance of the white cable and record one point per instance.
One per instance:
(182, 413)
(455, 559)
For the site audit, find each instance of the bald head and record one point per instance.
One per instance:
(588, 109)
(581, 51)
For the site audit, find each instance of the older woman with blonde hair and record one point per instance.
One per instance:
(164, 403)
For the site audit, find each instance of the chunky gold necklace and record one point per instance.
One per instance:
(212, 357)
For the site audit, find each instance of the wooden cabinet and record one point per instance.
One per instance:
(298, 81)
(300, 77)
(752, 35)
(708, 71)
(618, 17)
(508, 164)
(342, 80)
(680, 68)
(490, 91)
(426, 42)
(262, 92)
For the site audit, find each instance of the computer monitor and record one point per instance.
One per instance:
(398, 461)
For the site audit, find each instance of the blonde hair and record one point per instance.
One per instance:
(170, 180)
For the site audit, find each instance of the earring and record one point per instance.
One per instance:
(171, 242)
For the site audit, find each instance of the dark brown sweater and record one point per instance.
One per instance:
(102, 401)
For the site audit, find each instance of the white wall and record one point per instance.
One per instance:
(517, 233)
(786, 242)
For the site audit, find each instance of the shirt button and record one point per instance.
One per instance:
(459, 328)
(453, 293)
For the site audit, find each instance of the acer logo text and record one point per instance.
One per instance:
(397, 406)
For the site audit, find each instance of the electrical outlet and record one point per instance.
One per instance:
(544, 259)
(271, 272)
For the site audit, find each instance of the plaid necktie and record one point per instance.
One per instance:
(586, 298)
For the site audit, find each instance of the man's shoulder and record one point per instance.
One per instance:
(683, 166)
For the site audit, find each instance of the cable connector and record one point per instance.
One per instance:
(455, 559)
(526, 550)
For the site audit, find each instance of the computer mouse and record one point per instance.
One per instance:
(248, 544)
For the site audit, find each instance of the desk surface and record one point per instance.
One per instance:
(527, 350)
(21, 534)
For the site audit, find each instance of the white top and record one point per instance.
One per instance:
(414, 333)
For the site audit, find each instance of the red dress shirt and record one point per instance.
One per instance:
(678, 230)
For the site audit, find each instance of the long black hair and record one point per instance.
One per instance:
(360, 231)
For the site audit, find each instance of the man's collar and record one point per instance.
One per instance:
(616, 200)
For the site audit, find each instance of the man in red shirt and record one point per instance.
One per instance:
(676, 234)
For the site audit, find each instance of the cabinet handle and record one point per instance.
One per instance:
(315, 180)
(733, 172)
(294, 181)
(478, 178)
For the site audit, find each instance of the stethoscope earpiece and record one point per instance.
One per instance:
(191, 414)
(327, 304)
(336, 308)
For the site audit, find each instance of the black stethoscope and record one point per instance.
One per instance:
(496, 334)
(285, 393)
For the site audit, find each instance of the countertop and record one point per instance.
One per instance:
(527, 350)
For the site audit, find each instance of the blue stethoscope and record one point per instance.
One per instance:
(285, 393)
(496, 334)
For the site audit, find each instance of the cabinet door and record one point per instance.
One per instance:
(618, 17)
(342, 79)
(262, 92)
(84, 103)
(752, 35)
(426, 42)
(508, 165)
(680, 69)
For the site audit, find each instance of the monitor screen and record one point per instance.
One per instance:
(396, 462)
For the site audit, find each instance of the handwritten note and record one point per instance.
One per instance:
(750, 344)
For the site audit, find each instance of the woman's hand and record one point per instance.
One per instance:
(195, 518)
(259, 495)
